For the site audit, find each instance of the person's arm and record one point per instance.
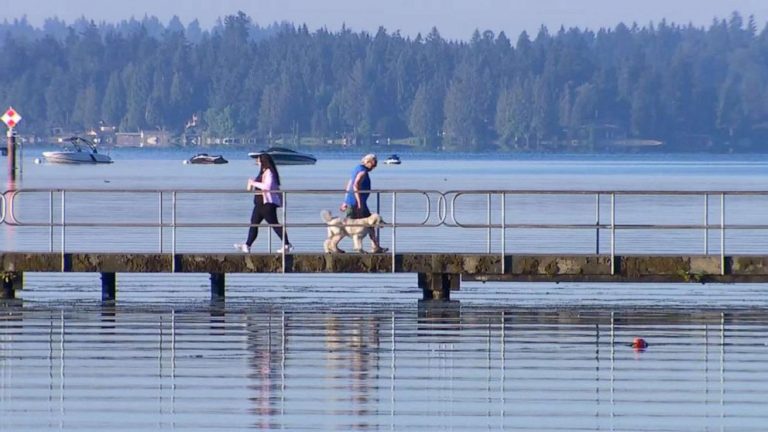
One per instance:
(265, 184)
(343, 205)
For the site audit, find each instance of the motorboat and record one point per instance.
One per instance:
(285, 156)
(206, 159)
(78, 151)
(393, 159)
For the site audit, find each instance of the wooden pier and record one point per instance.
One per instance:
(437, 273)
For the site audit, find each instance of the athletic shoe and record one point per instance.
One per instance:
(288, 248)
(379, 250)
(242, 247)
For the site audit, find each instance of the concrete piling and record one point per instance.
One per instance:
(217, 286)
(11, 282)
(108, 286)
(438, 286)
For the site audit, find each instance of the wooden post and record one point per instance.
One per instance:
(217, 286)
(108, 284)
(11, 155)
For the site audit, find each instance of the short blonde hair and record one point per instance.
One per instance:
(369, 157)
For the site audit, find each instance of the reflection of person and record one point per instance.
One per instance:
(265, 203)
(355, 204)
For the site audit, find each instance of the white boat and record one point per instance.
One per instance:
(393, 160)
(284, 156)
(78, 151)
(206, 159)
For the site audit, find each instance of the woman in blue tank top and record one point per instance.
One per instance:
(358, 188)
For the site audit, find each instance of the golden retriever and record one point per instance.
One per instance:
(339, 228)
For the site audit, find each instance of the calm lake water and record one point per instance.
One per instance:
(359, 352)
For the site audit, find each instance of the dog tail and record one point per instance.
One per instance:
(326, 215)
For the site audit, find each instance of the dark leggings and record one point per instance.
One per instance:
(262, 212)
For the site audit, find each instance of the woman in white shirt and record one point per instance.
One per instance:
(265, 203)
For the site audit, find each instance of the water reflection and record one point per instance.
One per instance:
(282, 367)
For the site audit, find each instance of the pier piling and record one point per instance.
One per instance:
(11, 281)
(11, 155)
(108, 286)
(438, 286)
(217, 286)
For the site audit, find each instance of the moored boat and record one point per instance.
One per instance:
(285, 156)
(206, 159)
(78, 151)
(393, 159)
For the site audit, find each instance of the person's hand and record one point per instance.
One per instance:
(343, 207)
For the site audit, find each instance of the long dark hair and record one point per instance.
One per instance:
(267, 163)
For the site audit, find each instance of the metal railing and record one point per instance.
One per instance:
(503, 211)
(612, 226)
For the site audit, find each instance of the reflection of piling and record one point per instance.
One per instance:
(11, 154)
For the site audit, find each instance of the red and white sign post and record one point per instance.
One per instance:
(11, 118)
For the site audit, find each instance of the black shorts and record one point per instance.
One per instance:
(354, 212)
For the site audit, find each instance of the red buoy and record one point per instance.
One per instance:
(639, 344)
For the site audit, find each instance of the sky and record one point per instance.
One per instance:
(455, 19)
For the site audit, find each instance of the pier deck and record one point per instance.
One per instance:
(438, 273)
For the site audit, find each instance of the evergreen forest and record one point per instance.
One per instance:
(690, 88)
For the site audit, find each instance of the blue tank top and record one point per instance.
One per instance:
(365, 184)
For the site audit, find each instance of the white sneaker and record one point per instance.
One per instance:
(288, 248)
(242, 247)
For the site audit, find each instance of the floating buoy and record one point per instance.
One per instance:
(639, 344)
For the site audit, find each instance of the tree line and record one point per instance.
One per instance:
(693, 88)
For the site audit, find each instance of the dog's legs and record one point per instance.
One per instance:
(333, 243)
(357, 242)
(329, 245)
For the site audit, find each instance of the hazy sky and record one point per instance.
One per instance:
(456, 19)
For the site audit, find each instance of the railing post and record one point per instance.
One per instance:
(394, 227)
(722, 233)
(63, 228)
(597, 224)
(613, 233)
(378, 210)
(285, 231)
(488, 221)
(706, 224)
(50, 221)
(173, 232)
(503, 231)
(160, 216)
